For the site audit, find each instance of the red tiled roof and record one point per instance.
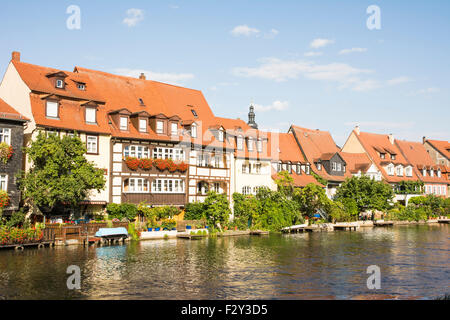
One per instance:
(418, 156)
(315, 145)
(9, 113)
(356, 162)
(442, 146)
(373, 141)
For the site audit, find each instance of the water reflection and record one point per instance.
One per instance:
(413, 261)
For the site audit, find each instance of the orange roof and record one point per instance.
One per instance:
(372, 142)
(288, 148)
(418, 156)
(301, 180)
(356, 162)
(9, 113)
(442, 146)
(317, 145)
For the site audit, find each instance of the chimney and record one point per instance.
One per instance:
(142, 77)
(357, 130)
(391, 138)
(15, 56)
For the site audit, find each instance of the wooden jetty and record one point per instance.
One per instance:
(22, 246)
(295, 229)
(258, 233)
(189, 236)
(382, 223)
(444, 220)
(348, 226)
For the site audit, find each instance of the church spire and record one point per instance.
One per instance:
(251, 117)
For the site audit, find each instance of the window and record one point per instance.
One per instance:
(60, 83)
(136, 185)
(339, 167)
(239, 142)
(259, 145)
(202, 160)
(81, 86)
(408, 172)
(220, 135)
(217, 188)
(299, 169)
(194, 113)
(4, 182)
(141, 101)
(168, 186)
(91, 115)
(258, 168)
(174, 129)
(393, 156)
(400, 171)
(308, 169)
(390, 170)
(194, 131)
(289, 168)
(431, 173)
(439, 173)
(92, 144)
(218, 161)
(319, 166)
(159, 127)
(334, 166)
(51, 109)
(279, 167)
(250, 144)
(424, 172)
(139, 152)
(143, 125)
(244, 169)
(5, 135)
(202, 187)
(168, 153)
(383, 155)
(246, 190)
(344, 168)
(123, 123)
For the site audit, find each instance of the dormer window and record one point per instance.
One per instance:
(174, 129)
(141, 101)
(424, 172)
(390, 170)
(289, 168)
(194, 131)
(81, 86)
(194, 113)
(91, 115)
(259, 145)
(51, 109)
(124, 123)
(142, 125)
(299, 169)
(400, 171)
(383, 155)
(250, 144)
(393, 156)
(308, 169)
(408, 171)
(159, 127)
(239, 143)
(221, 135)
(59, 83)
(439, 173)
(431, 173)
(319, 166)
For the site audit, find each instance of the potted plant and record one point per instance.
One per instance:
(145, 164)
(132, 163)
(188, 227)
(6, 152)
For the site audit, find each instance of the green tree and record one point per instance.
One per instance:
(216, 208)
(245, 210)
(121, 211)
(285, 183)
(61, 174)
(311, 199)
(368, 193)
(194, 211)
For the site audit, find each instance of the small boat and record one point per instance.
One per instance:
(112, 233)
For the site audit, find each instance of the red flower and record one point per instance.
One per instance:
(182, 167)
(132, 163)
(145, 164)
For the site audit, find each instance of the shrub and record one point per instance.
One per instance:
(216, 208)
(122, 211)
(194, 211)
(339, 213)
(135, 236)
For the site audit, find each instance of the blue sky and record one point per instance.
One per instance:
(312, 63)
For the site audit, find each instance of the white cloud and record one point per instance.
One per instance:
(319, 43)
(244, 30)
(272, 34)
(276, 105)
(398, 80)
(313, 54)
(172, 78)
(347, 51)
(174, 6)
(134, 16)
(429, 90)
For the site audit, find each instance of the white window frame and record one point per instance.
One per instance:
(137, 185)
(89, 115)
(143, 125)
(176, 154)
(221, 135)
(91, 145)
(59, 83)
(408, 171)
(194, 131)
(399, 171)
(390, 169)
(259, 145)
(55, 113)
(168, 186)
(5, 135)
(174, 129)
(133, 151)
(240, 142)
(431, 173)
(424, 172)
(439, 174)
(4, 182)
(124, 123)
(250, 144)
(339, 166)
(334, 166)
(159, 127)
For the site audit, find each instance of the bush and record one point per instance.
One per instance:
(169, 224)
(194, 211)
(135, 236)
(244, 211)
(338, 213)
(216, 208)
(122, 211)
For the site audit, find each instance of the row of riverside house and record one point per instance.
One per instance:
(120, 117)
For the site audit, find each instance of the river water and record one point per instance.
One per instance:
(414, 263)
